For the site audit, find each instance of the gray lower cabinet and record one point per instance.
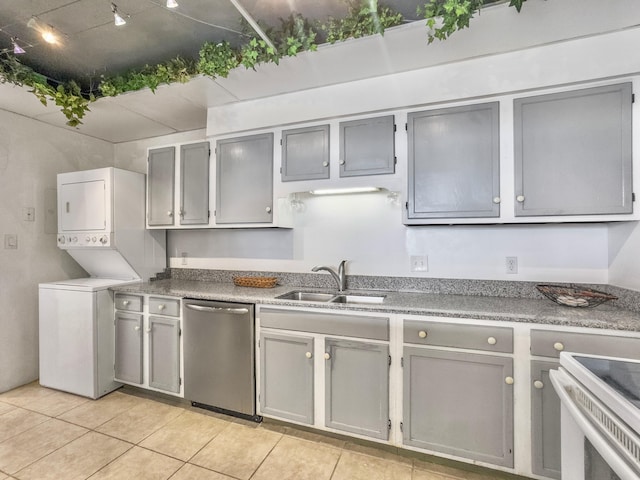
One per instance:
(545, 421)
(367, 146)
(286, 376)
(244, 179)
(164, 353)
(459, 403)
(573, 152)
(454, 162)
(161, 186)
(128, 347)
(357, 387)
(305, 153)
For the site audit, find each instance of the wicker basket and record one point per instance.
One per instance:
(574, 297)
(255, 282)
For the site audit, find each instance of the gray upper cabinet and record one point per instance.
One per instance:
(357, 387)
(459, 403)
(128, 346)
(244, 182)
(164, 353)
(573, 152)
(305, 153)
(160, 186)
(367, 146)
(194, 184)
(454, 162)
(286, 376)
(545, 421)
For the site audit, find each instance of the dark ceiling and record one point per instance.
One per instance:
(91, 45)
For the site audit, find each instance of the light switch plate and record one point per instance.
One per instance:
(10, 241)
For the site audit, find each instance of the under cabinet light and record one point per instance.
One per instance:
(172, 4)
(343, 191)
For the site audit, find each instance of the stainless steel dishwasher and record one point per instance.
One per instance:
(219, 359)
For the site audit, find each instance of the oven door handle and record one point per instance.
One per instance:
(561, 381)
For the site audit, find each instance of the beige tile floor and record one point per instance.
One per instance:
(46, 434)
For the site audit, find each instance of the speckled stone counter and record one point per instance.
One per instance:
(528, 310)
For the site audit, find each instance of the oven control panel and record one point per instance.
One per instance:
(86, 239)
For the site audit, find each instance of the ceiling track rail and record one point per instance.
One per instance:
(247, 16)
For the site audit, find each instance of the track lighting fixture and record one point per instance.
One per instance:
(17, 49)
(172, 4)
(118, 19)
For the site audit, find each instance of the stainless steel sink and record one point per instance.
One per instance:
(302, 296)
(307, 296)
(368, 299)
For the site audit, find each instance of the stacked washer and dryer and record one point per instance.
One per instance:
(101, 224)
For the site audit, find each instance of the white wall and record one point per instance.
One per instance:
(31, 154)
(624, 255)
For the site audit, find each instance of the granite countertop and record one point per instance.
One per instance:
(525, 310)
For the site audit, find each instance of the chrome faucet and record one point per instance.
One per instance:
(339, 277)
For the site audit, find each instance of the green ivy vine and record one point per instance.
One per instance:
(366, 17)
(294, 35)
(444, 17)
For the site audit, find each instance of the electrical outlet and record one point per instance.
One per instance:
(419, 263)
(511, 264)
(184, 258)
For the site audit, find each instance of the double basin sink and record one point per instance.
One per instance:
(303, 296)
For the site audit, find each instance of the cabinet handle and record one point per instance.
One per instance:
(327, 356)
(558, 346)
(325, 164)
(342, 162)
(497, 199)
(508, 380)
(422, 334)
(492, 340)
(268, 209)
(520, 198)
(67, 207)
(137, 328)
(308, 355)
(149, 330)
(170, 213)
(161, 307)
(538, 384)
(125, 303)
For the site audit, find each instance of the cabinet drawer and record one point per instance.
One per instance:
(549, 343)
(477, 337)
(376, 328)
(164, 306)
(132, 303)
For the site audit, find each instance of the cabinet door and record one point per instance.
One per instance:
(357, 387)
(573, 152)
(244, 184)
(459, 403)
(286, 376)
(194, 184)
(128, 344)
(454, 162)
(367, 146)
(545, 421)
(160, 186)
(164, 354)
(305, 153)
(82, 206)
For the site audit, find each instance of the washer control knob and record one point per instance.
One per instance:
(104, 239)
(61, 239)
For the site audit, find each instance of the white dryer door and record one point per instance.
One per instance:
(82, 206)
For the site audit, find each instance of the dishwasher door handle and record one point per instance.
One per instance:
(202, 308)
